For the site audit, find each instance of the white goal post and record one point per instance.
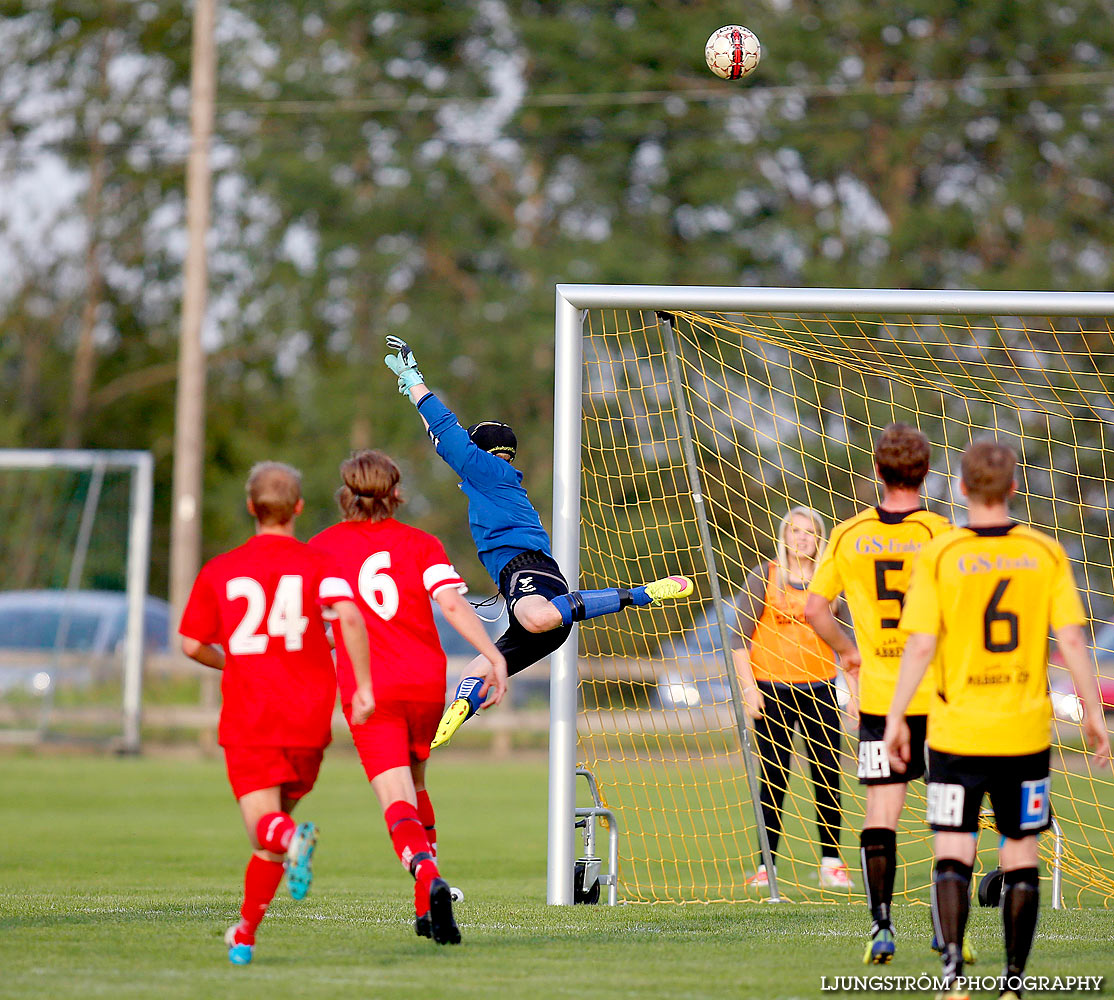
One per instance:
(573, 301)
(140, 465)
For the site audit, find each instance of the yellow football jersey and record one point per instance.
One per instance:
(870, 559)
(990, 595)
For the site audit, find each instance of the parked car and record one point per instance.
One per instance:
(694, 671)
(1104, 661)
(36, 626)
(460, 651)
(454, 644)
(693, 666)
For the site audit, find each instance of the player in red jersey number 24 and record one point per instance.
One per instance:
(257, 614)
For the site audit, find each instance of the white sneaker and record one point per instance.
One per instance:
(834, 874)
(759, 880)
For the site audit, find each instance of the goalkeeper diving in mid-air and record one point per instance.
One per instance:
(513, 547)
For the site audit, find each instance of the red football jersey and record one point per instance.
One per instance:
(263, 603)
(394, 570)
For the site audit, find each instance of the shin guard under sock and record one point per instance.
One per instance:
(261, 882)
(429, 820)
(951, 901)
(274, 831)
(469, 689)
(1020, 907)
(878, 851)
(410, 841)
(582, 605)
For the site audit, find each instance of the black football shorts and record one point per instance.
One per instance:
(526, 575)
(1018, 788)
(874, 764)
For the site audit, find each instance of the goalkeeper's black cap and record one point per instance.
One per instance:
(494, 437)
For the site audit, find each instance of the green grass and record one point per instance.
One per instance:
(119, 876)
(689, 832)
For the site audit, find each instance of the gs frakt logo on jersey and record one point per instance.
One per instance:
(1001, 564)
(875, 545)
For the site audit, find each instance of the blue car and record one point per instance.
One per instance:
(37, 626)
(695, 674)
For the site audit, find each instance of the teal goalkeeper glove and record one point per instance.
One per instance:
(403, 364)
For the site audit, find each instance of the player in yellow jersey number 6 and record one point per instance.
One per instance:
(982, 600)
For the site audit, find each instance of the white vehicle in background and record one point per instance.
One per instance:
(458, 651)
(695, 675)
(48, 637)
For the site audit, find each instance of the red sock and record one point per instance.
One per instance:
(429, 820)
(261, 881)
(410, 842)
(274, 832)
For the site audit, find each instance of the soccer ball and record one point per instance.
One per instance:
(732, 51)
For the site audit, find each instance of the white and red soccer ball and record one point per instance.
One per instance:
(732, 51)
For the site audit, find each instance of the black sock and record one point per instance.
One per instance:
(878, 851)
(951, 900)
(1020, 905)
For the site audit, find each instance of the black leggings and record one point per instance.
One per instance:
(812, 707)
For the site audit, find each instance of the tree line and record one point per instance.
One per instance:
(432, 170)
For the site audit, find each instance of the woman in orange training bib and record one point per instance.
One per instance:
(787, 674)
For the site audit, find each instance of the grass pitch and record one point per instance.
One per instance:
(119, 877)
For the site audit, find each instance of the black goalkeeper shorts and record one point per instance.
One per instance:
(526, 575)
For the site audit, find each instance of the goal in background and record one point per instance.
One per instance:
(71, 662)
(688, 421)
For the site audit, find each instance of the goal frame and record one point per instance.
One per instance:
(140, 511)
(572, 303)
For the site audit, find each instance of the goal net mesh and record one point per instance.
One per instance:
(785, 409)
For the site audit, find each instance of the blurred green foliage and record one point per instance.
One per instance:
(432, 170)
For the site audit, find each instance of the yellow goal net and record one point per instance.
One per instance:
(698, 431)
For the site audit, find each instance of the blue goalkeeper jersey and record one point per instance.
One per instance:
(502, 520)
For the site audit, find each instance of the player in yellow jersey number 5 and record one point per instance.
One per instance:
(982, 600)
(869, 560)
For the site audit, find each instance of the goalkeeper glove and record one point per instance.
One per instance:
(403, 364)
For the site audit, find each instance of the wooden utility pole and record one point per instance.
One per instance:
(189, 422)
(81, 378)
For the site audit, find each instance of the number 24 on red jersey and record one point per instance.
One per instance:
(285, 620)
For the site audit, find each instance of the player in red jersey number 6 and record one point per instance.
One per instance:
(395, 570)
(257, 613)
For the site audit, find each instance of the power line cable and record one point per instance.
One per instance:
(630, 99)
(878, 88)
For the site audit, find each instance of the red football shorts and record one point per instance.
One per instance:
(293, 770)
(397, 734)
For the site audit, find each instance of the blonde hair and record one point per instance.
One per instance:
(370, 490)
(819, 527)
(274, 490)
